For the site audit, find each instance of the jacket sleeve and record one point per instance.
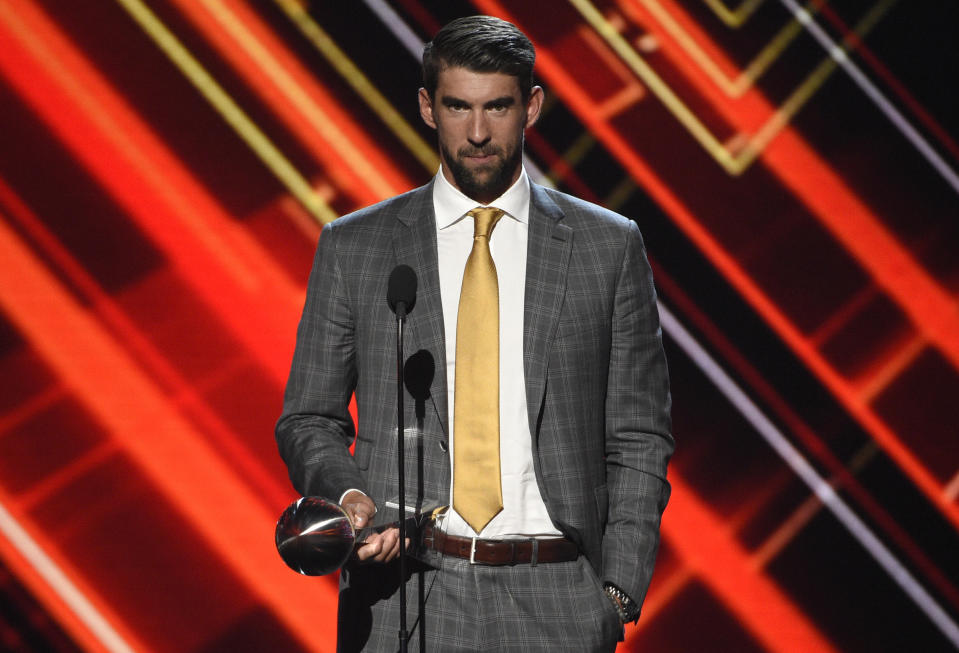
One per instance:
(316, 429)
(638, 427)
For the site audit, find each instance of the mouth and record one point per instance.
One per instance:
(480, 159)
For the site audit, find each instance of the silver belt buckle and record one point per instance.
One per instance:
(473, 552)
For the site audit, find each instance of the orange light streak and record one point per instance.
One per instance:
(708, 547)
(294, 95)
(273, 492)
(213, 253)
(639, 15)
(786, 167)
(897, 87)
(56, 605)
(173, 456)
(933, 311)
(842, 475)
(631, 86)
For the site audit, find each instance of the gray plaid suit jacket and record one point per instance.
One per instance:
(596, 378)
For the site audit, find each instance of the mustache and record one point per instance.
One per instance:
(487, 150)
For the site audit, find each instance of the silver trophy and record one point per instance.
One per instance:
(314, 536)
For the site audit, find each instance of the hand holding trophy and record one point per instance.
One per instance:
(314, 536)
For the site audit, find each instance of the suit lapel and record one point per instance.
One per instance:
(414, 243)
(547, 263)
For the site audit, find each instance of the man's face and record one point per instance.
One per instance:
(479, 119)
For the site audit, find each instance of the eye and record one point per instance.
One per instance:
(497, 108)
(457, 108)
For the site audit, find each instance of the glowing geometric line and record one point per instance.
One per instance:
(403, 32)
(944, 138)
(820, 487)
(113, 316)
(867, 87)
(60, 583)
(294, 95)
(656, 84)
(754, 69)
(621, 100)
(228, 109)
(181, 466)
(880, 379)
(300, 17)
(734, 165)
(216, 258)
(734, 18)
(808, 509)
(706, 543)
(630, 86)
(576, 152)
(951, 491)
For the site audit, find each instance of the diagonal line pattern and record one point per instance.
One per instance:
(840, 56)
(755, 69)
(737, 17)
(734, 164)
(231, 112)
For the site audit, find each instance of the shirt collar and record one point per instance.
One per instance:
(451, 205)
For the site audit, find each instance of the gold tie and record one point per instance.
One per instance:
(477, 491)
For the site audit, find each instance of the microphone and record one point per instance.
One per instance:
(401, 296)
(401, 291)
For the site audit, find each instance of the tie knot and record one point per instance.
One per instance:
(484, 219)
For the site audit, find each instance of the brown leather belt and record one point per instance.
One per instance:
(500, 552)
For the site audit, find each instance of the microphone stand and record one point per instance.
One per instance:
(401, 462)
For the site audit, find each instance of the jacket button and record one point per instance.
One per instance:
(443, 446)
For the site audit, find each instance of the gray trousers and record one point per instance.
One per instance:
(461, 607)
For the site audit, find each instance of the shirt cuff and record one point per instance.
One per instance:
(352, 489)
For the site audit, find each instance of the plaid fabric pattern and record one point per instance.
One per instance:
(550, 607)
(596, 381)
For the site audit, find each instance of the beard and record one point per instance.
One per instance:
(487, 182)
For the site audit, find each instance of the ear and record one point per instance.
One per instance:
(426, 108)
(534, 106)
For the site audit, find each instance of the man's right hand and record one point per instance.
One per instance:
(377, 547)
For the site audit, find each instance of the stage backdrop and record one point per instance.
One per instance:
(166, 167)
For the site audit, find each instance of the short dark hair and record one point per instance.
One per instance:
(481, 44)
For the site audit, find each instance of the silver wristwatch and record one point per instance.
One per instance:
(627, 608)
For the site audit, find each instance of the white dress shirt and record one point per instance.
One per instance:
(524, 512)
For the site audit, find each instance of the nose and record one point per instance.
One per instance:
(479, 132)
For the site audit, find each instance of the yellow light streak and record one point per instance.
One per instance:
(754, 69)
(733, 165)
(574, 153)
(228, 109)
(89, 101)
(655, 83)
(810, 85)
(734, 17)
(619, 195)
(893, 368)
(315, 34)
(299, 99)
(808, 509)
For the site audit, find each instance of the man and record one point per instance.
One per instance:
(551, 546)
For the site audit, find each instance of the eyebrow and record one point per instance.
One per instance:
(504, 101)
